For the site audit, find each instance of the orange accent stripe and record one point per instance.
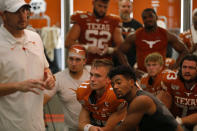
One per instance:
(54, 118)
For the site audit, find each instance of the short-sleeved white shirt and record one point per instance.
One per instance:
(64, 88)
(19, 62)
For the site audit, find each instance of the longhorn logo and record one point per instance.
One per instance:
(151, 43)
(77, 50)
(187, 93)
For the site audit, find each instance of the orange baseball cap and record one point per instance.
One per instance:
(77, 50)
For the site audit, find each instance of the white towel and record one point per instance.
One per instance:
(51, 39)
(194, 37)
(194, 34)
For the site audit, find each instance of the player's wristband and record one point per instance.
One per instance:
(86, 47)
(110, 50)
(87, 127)
(179, 120)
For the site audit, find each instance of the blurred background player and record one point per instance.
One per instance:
(150, 38)
(189, 37)
(151, 81)
(95, 31)
(67, 82)
(181, 92)
(101, 110)
(129, 26)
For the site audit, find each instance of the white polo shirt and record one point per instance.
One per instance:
(64, 87)
(18, 62)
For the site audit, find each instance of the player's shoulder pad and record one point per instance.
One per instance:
(185, 32)
(114, 17)
(84, 85)
(169, 74)
(145, 75)
(80, 15)
(82, 90)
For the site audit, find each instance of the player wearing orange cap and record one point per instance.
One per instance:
(67, 82)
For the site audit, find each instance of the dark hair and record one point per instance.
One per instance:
(149, 9)
(126, 71)
(189, 57)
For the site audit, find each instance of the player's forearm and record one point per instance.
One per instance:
(121, 57)
(84, 119)
(6, 89)
(84, 126)
(69, 42)
(179, 128)
(114, 119)
(81, 126)
(190, 120)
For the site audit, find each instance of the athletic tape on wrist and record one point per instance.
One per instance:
(179, 120)
(87, 127)
(110, 50)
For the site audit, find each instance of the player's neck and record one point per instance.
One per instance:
(100, 92)
(132, 94)
(153, 29)
(155, 76)
(15, 33)
(189, 85)
(76, 75)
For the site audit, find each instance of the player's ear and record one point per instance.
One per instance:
(108, 80)
(132, 82)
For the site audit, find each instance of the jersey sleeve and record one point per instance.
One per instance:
(77, 17)
(169, 62)
(168, 78)
(116, 21)
(185, 38)
(82, 91)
